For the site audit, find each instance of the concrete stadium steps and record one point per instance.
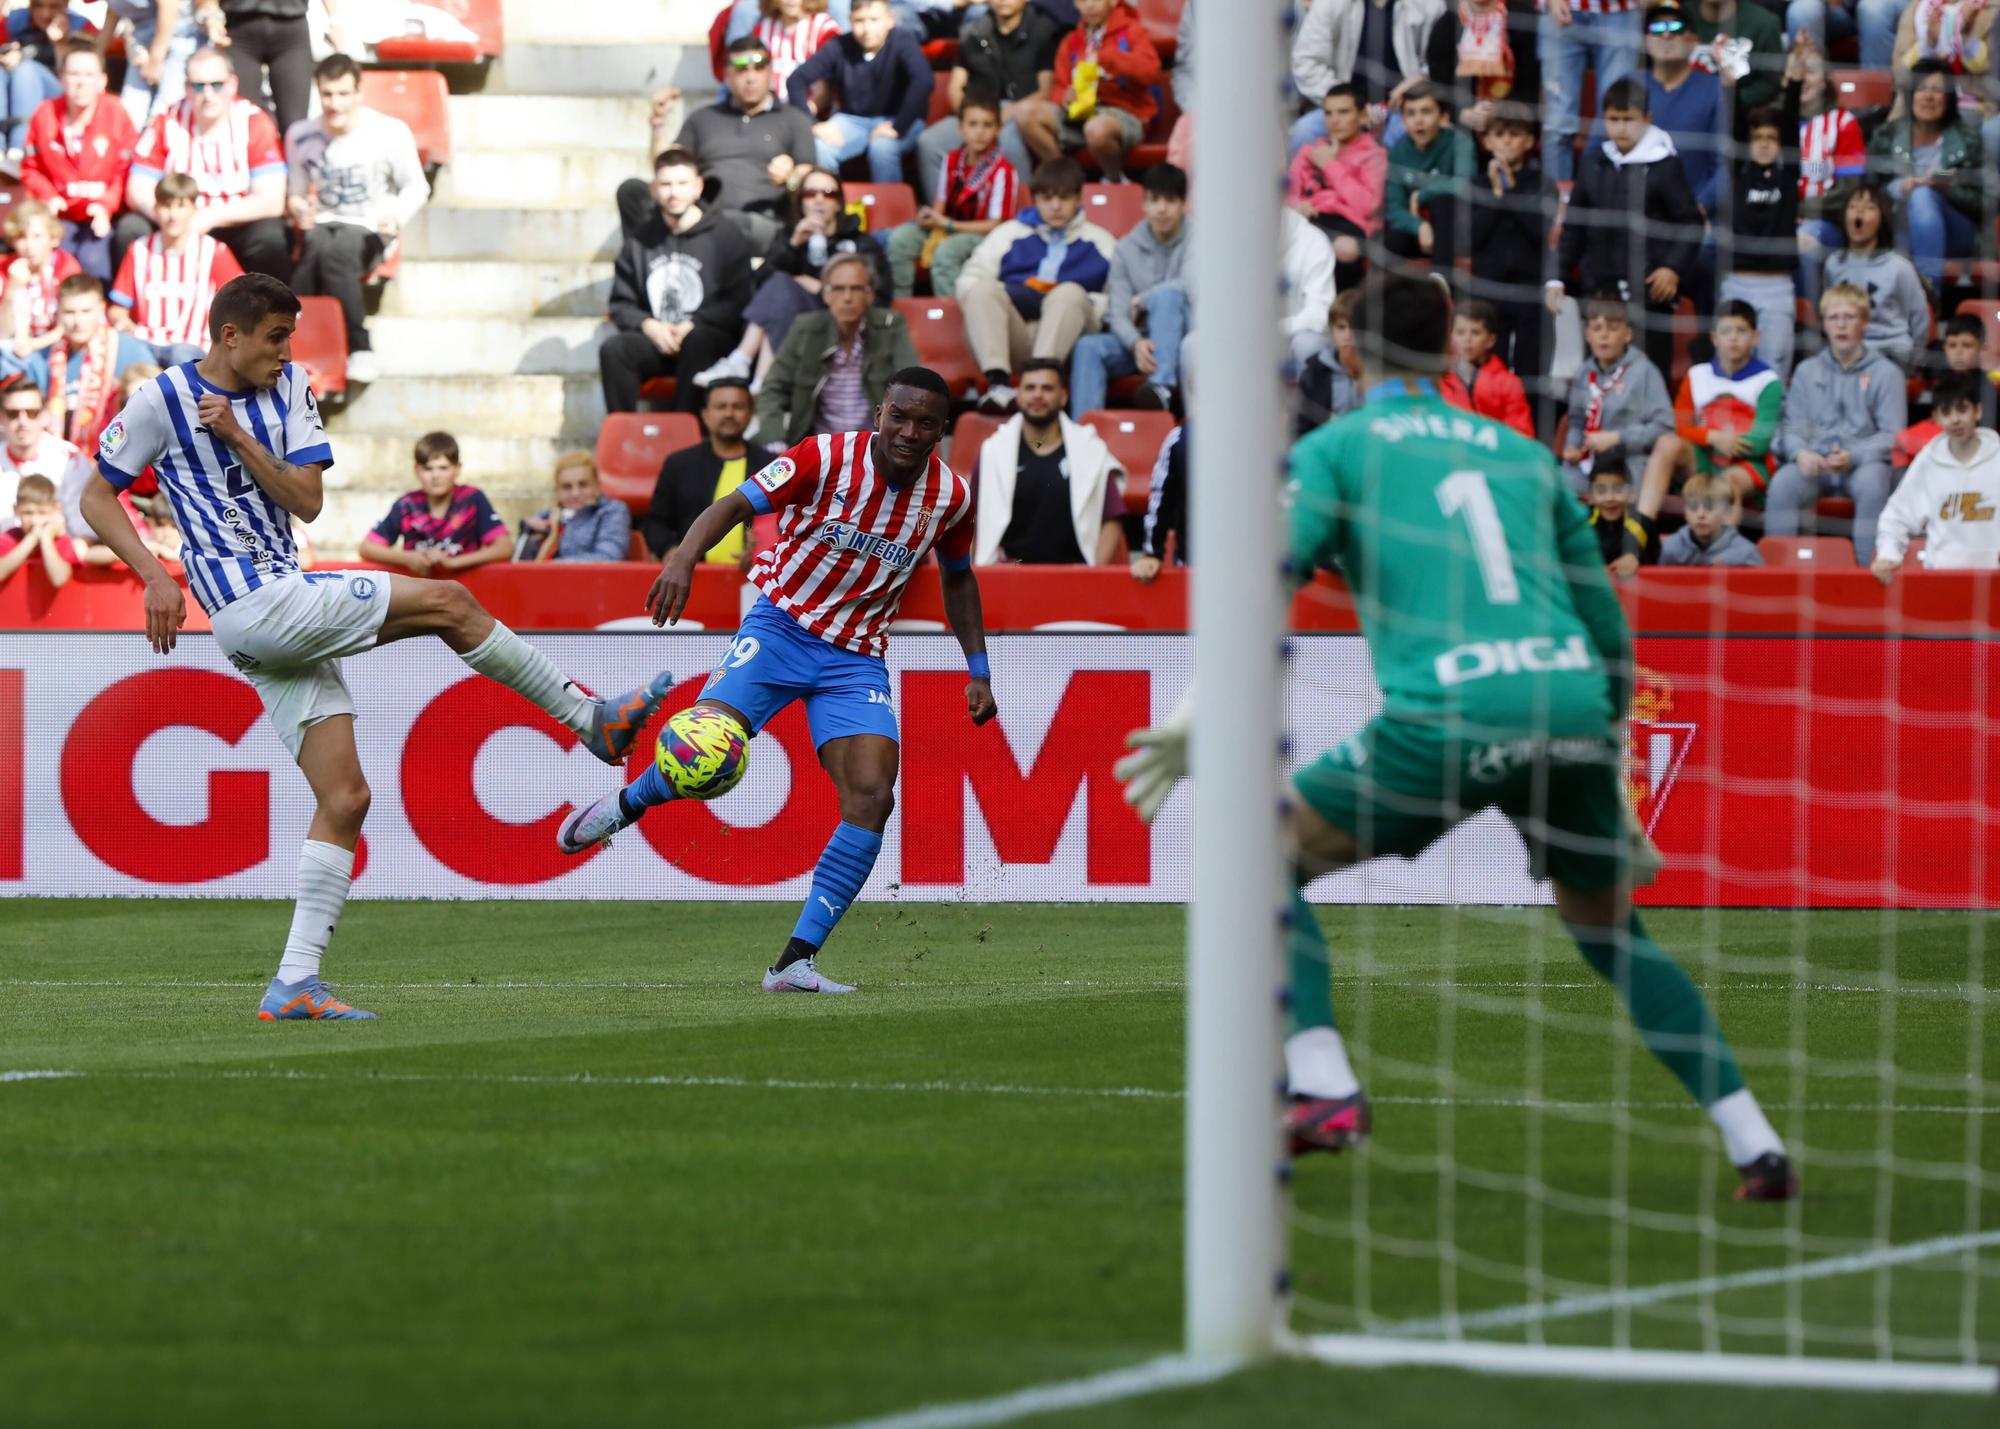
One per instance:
(524, 233)
(493, 178)
(491, 347)
(538, 406)
(475, 288)
(383, 462)
(518, 123)
(600, 49)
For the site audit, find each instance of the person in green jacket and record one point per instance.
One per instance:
(1744, 47)
(1935, 167)
(832, 369)
(1428, 168)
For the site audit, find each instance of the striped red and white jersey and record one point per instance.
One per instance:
(224, 163)
(791, 48)
(848, 540)
(1592, 7)
(1830, 149)
(169, 293)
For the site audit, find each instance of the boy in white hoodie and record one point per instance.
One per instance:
(1951, 494)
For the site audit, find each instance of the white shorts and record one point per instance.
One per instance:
(287, 639)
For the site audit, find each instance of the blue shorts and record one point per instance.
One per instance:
(774, 660)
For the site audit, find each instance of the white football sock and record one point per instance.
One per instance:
(1746, 1133)
(1316, 1065)
(506, 657)
(325, 872)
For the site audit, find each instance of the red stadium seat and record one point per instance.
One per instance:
(968, 435)
(1830, 553)
(1135, 439)
(1120, 208)
(940, 98)
(390, 265)
(883, 206)
(659, 391)
(319, 344)
(1988, 313)
(417, 97)
(942, 54)
(1835, 508)
(630, 448)
(482, 17)
(1162, 21)
(1863, 88)
(937, 328)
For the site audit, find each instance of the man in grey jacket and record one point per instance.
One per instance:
(1842, 413)
(1147, 313)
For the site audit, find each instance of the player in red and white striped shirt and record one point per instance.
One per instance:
(169, 278)
(791, 30)
(858, 513)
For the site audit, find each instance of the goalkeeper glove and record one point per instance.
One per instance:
(1158, 760)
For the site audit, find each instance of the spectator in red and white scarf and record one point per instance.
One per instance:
(79, 149)
(80, 370)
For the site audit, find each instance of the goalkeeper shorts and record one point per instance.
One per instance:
(1398, 786)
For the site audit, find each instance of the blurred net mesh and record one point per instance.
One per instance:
(1820, 770)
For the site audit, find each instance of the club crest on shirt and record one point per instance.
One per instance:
(925, 515)
(776, 474)
(113, 439)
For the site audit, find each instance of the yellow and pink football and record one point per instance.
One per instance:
(702, 752)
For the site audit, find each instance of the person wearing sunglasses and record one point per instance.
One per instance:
(230, 148)
(748, 143)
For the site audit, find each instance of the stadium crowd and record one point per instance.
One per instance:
(1737, 286)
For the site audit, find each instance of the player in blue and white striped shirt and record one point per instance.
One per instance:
(237, 443)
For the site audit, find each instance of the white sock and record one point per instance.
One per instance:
(1316, 1064)
(325, 871)
(1746, 1133)
(506, 657)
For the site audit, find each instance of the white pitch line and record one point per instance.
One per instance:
(1091, 984)
(1152, 1377)
(694, 1080)
(1571, 1306)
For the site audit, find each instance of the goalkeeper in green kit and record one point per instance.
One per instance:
(1505, 668)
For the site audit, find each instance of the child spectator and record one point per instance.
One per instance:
(1632, 224)
(1618, 405)
(1164, 532)
(79, 149)
(1010, 54)
(1833, 158)
(1330, 380)
(1708, 539)
(1626, 539)
(977, 190)
(788, 284)
(34, 273)
(882, 90)
(1950, 493)
(1842, 413)
(583, 525)
(441, 527)
(1899, 322)
(792, 32)
(1147, 311)
(355, 182)
(1377, 47)
(1760, 251)
(1964, 351)
(80, 370)
(38, 529)
(1338, 182)
(1105, 72)
(1726, 413)
(169, 278)
(1476, 379)
(1507, 231)
(1034, 284)
(1428, 169)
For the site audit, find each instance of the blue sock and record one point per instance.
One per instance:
(843, 868)
(648, 791)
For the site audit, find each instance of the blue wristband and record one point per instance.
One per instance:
(978, 667)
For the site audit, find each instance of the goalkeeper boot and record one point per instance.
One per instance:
(1327, 1123)
(1769, 1178)
(802, 976)
(308, 999)
(617, 724)
(593, 825)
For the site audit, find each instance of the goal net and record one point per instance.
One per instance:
(1816, 756)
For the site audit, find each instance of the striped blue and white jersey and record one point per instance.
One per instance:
(236, 537)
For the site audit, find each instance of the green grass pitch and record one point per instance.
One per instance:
(584, 1172)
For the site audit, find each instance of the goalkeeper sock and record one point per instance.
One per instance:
(1672, 1016)
(1746, 1132)
(325, 873)
(844, 866)
(1316, 1062)
(648, 791)
(506, 657)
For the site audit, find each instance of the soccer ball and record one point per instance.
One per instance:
(702, 752)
